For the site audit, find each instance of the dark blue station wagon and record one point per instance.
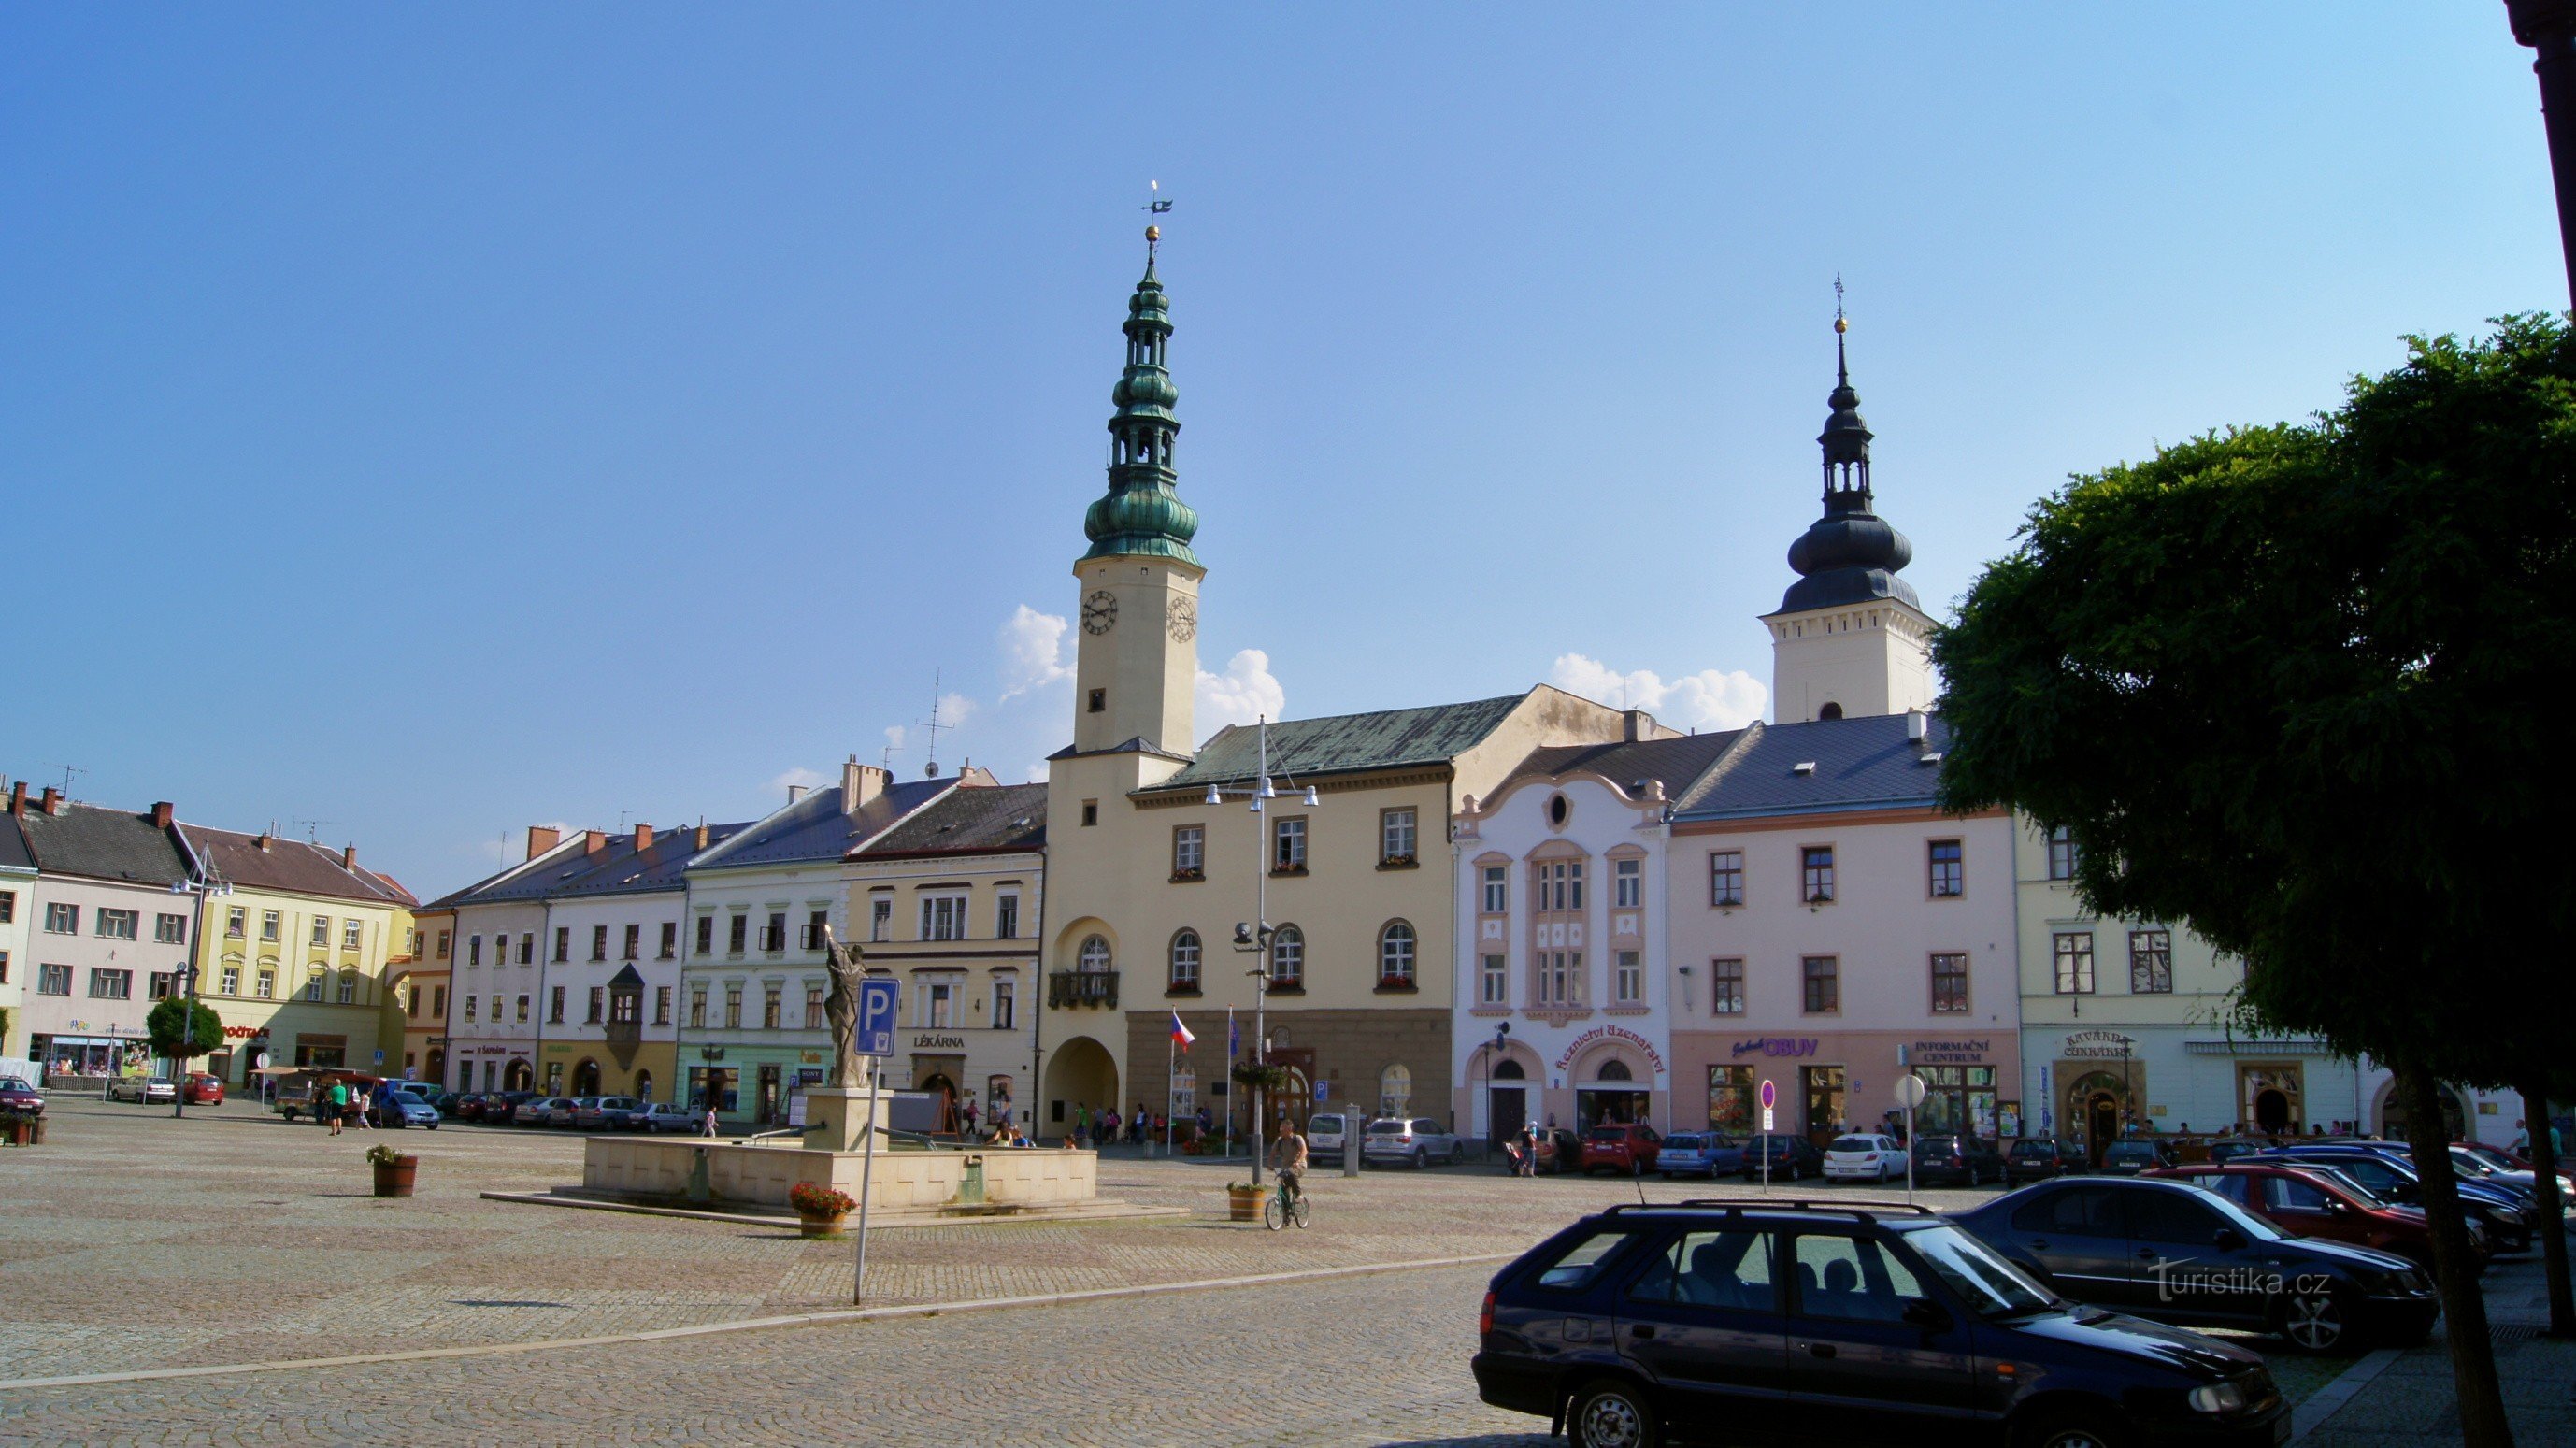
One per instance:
(1748, 1322)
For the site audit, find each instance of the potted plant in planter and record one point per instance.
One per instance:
(819, 1209)
(1242, 1202)
(394, 1170)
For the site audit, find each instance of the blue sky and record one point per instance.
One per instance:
(432, 420)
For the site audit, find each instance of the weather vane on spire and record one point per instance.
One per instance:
(1156, 204)
(1839, 324)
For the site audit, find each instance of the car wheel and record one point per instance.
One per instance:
(2070, 1430)
(1611, 1415)
(2317, 1322)
(1636, 1166)
(1421, 1158)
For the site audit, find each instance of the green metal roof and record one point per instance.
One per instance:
(1346, 743)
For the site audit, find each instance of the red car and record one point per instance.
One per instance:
(202, 1089)
(2322, 1204)
(1621, 1146)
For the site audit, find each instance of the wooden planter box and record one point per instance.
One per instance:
(1243, 1204)
(23, 1131)
(813, 1226)
(394, 1178)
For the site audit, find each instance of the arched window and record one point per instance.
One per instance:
(1094, 957)
(1510, 1071)
(1831, 710)
(1613, 1070)
(1394, 1090)
(1395, 954)
(1185, 961)
(1288, 959)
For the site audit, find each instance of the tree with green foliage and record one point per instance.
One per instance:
(183, 1029)
(2286, 685)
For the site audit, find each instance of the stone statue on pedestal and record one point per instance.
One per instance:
(841, 1008)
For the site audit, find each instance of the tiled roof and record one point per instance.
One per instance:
(103, 844)
(1344, 743)
(1864, 763)
(1677, 762)
(13, 847)
(290, 865)
(814, 828)
(621, 869)
(990, 819)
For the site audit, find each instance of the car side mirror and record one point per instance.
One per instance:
(1926, 1314)
(2228, 1239)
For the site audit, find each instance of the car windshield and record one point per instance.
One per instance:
(1323, 1123)
(2034, 1148)
(1386, 1128)
(1681, 1141)
(1936, 1145)
(1991, 1286)
(2254, 1227)
(2345, 1184)
(2129, 1151)
(1609, 1133)
(1854, 1143)
(2491, 1157)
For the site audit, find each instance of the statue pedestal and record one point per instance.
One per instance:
(837, 1118)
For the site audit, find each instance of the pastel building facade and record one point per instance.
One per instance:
(106, 935)
(497, 986)
(294, 958)
(17, 898)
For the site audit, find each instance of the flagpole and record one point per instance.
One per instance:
(1171, 1059)
(1231, 1042)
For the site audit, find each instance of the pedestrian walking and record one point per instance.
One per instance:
(335, 1097)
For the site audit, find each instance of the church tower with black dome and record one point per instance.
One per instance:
(1849, 638)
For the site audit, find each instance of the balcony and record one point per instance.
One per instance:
(1068, 988)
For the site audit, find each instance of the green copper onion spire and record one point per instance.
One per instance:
(1141, 514)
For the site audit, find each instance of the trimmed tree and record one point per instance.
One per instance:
(2284, 685)
(182, 1030)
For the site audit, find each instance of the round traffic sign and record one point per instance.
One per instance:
(1909, 1090)
(1770, 1095)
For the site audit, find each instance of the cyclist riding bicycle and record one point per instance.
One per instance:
(1288, 1158)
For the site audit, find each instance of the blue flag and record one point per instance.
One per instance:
(1233, 1036)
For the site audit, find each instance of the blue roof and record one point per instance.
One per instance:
(815, 829)
(1864, 763)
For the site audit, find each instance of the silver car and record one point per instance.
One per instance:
(1416, 1141)
(666, 1116)
(1324, 1132)
(147, 1090)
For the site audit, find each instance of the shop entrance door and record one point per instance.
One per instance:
(768, 1097)
(1507, 1111)
(2101, 1123)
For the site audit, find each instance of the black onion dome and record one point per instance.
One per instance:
(1850, 555)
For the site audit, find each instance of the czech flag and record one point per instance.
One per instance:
(1180, 1033)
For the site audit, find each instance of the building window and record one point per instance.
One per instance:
(1090, 813)
(470, 1003)
(733, 1008)
(236, 923)
(943, 917)
(1949, 985)
(1498, 895)
(770, 1001)
(670, 940)
(881, 917)
(1097, 701)
(1556, 886)
(814, 1008)
(554, 1005)
(773, 936)
(1949, 870)
(54, 980)
(706, 935)
(2151, 962)
(170, 930)
(4, 967)
(1725, 877)
(313, 985)
(2074, 952)
(523, 1008)
(1093, 958)
(1396, 836)
(816, 923)
(269, 925)
(736, 933)
(622, 1007)
(353, 934)
(159, 986)
(1288, 959)
(438, 1002)
(2061, 853)
(267, 984)
(1559, 977)
(1006, 1001)
(662, 1004)
(527, 947)
(1395, 955)
(1395, 1090)
(62, 919)
(1006, 916)
(1816, 874)
(411, 1000)
(474, 950)
(111, 985)
(1185, 961)
(229, 982)
(444, 937)
(598, 1001)
(1189, 852)
(1821, 976)
(598, 943)
(321, 932)
(941, 1004)
(1627, 884)
(1731, 1099)
(697, 1010)
(9, 906)
(118, 924)
(1494, 981)
(1629, 988)
(1726, 987)
(1288, 846)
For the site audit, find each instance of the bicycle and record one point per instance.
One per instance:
(1282, 1209)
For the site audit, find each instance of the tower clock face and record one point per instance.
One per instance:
(1185, 620)
(1099, 611)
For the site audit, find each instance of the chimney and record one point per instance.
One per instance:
(52, 802)
(861, 783)
(593, 841)
(643, 838)
(262, 843)
(701, 840)
(795, 792)
(542, 838)
(349, 857)
(18, 799)
(161, 814)
(1918, 727)
(1638, 724)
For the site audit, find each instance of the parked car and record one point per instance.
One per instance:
(19, 1096)
(145, 1090)
(2177, 1254)
(565, 1111)
(1789, 1157)
(2138, 1154)
(537, 1110)
(2321, 1202)
(1325, 1136)
(2495, 1168)
(2037, 1158)
(1560, 1150)
(604, 1113)
(2223, 1152)
(1625, 1147)
(666, 1116)
(450, 1104)
(1699, 1153)
(1641, 1324)
(1970, 1160)
(2505, 1213)
(203, 1088)
(396, 1107)
(1864, 1157)
(1417, 1140)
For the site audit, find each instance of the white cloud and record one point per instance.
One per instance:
(953, 709)
(780, 784)
(1709, 699)
(1244, 692)
(1033, 651)
(894, 737)
(1038, 772)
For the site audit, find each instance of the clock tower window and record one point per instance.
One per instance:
(1099, 703)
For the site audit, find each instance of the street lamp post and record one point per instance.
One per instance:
(1253, 937)
(210, 887)
(2549, 28)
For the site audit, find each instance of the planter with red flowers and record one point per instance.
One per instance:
(819, 1209)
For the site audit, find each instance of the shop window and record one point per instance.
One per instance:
(1731, 1099)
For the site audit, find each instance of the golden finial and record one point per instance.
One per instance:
(1153, 233)
(1840, 326)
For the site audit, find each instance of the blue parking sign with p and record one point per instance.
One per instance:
(877, 1002)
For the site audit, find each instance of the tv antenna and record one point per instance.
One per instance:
(931, 743)
(68, 771)
(313, 830)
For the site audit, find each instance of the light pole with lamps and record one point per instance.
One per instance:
(212, 887)
(1253, 937)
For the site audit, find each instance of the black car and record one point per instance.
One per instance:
(1832, 1323)
(2136, 1154)
(2180, 1254)
(2037, 1158)
(1789, 1157)
(1960, 1160)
